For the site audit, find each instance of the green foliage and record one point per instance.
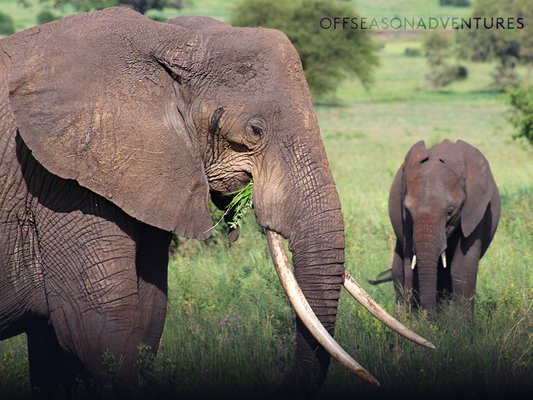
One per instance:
(505, 76)
(87, 5)
(139, 5)
(508, 46)
(437, 48)
(7, 27)
(144, 5)
(412, 52)
(455, 3)
(45, 16)
(521, 114)
(241, 202)
(327, 55)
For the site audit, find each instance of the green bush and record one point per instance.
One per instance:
(455, 3)
(412, 52)
(521, 114)
(437, 49)
(509, 47)
(45, 16)
(327, 55)
(139, 5)
(504, 76)
(7, 26)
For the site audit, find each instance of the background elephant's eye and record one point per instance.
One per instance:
(257, 130)
(449, 211)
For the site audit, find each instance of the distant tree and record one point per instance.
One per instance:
(509, 47)
(139, 5)
(438, 48)
(455, 3)
(328, 55)
(7, 26)
(521, 113)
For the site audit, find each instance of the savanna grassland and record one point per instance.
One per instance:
(229, 327)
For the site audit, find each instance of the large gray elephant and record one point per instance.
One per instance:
(114, 132)
(444, 206)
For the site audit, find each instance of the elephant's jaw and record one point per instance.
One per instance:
(313, 324)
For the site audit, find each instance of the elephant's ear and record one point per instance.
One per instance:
(479, 186)
(93, 105)
(396, 197)
(416, 154)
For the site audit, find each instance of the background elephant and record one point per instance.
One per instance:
(444, 207)
(115, 130)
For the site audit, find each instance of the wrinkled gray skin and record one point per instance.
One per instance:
(114, 130)
(443, 199)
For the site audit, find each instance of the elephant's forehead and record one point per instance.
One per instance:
(434, 174)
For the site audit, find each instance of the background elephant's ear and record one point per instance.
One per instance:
(416, 154)
(396, 197)
(100, 110)
(479, 186)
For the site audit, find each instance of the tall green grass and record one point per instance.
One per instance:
(229, 328)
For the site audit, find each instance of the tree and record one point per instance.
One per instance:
(139, 5)
(509, 47)
(437, 49)
(327, 55)
(521, 113)
(455, 3)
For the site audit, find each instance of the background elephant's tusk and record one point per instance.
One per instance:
(304, 311)
(377, 311)
(413, 263)
(443, 257)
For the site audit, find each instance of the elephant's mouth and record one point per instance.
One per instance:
(306, 314)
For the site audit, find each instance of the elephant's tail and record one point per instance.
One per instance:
(383, 277)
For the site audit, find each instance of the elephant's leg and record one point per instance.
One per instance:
(51, 367)
(464, 269)
(92, 291)
(152, 264)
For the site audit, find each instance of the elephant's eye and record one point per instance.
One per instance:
(257, 130)
(449, 211)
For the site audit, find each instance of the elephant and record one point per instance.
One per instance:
(444, 207)
(115, 132)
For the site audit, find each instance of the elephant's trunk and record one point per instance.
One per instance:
(319, 266)
(297, 198)
(427, 262)
(430, 244)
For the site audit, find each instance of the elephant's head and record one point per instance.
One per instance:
(155, 116)
(438, 193)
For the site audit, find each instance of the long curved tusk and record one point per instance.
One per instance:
(305, 312)
(443, 257)
(413, 263)
(377, 311)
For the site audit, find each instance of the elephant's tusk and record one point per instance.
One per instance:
(443, 257)
(359, 294)
(413, 263)
(305, 312)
